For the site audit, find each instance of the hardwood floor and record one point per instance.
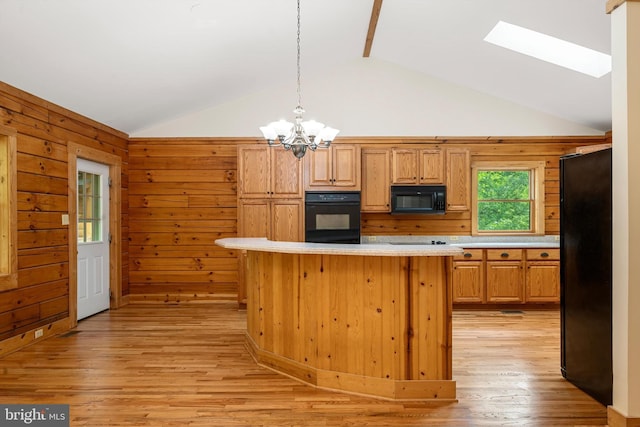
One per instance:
(187, 366)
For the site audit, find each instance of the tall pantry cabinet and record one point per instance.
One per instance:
(270, 198)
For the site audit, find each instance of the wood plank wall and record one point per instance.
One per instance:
(547, 149)
(44, 129)
(178, 196)
(182, 197)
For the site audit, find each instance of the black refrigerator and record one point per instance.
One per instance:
(586, 272)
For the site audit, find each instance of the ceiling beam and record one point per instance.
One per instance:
(612, 4)
(373, 22)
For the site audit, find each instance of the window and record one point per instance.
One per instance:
(8, 210)
(508, 198)
(89, 208)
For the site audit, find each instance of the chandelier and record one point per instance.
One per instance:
(300, 135)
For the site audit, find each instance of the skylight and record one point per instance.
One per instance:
(550, 49)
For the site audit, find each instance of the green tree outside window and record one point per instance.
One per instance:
(504, 200)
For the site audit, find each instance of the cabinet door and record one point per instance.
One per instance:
(542, 281)
(319, 167)
(468, 282)
(286, 174)
(431, 167)
(346, 166)
(287, 220)
(376, 179)
(505, 281)
(253, 171)
(404, 166)
(254, 218)
(458, 180)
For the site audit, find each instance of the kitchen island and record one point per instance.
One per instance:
(370, 319)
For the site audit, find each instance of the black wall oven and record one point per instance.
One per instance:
(332, 217)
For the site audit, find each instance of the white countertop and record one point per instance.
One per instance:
(471, 242)
(370, 249)
(506, 245)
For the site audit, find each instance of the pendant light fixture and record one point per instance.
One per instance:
(300, 135)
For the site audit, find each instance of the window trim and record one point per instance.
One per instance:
(8, 210)
(537, 171)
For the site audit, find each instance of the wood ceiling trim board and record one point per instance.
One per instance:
(373, 22)
(612, 4)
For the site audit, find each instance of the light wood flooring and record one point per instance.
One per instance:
(187, 366)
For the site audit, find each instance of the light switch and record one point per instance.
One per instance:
(65, 219)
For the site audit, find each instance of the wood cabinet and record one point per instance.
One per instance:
(336, 166)
(542, 282)
(280, 220)
(376, 180)
(274, 219)
(270, 199)
(506, 276)
(468, 277)
(458, 166)
(268, 172)
(417, 166)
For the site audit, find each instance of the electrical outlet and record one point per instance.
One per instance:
(372, 238)
(557, 238)
(65, 219)
(453, 238)
(38, 333)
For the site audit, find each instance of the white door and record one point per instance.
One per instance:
(93, 238)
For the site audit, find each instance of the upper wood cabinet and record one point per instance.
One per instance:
(417, 166)
(376, 180)
(266, 172)
(336, 166)
(458, 166)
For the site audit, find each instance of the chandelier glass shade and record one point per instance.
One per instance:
(300, 135)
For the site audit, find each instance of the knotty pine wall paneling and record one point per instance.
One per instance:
(547, 149)
(182, 197)
(41, 299)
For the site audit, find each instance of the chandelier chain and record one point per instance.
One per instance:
(301, 135)
(298, 59)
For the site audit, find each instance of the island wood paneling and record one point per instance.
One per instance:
(182, 197)
(43, 132)
(376, 325)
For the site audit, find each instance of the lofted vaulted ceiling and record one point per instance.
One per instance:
(131, 64)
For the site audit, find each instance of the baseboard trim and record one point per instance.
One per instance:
(175, 299)
(616, 419)
(18, 342)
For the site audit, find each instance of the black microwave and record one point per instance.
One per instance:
(418, 199)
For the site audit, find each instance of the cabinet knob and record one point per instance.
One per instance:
(504, 255)
(467, 255)
(544, 254)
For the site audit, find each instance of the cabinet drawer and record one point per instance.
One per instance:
(470, 255)
(504, 254)
(543, 254)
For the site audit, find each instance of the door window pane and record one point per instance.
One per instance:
(89, 207)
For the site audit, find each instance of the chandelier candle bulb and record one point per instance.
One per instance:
(301, 135)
